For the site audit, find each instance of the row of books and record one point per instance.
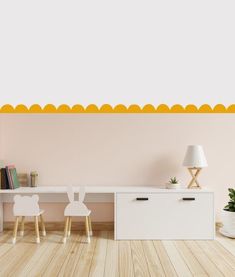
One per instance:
(9, 178)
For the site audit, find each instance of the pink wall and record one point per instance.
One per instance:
(118, 149)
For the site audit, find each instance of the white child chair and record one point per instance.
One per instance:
(76, 208)
(27, 206)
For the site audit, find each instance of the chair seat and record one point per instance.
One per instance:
(29, 213)
(77, 213)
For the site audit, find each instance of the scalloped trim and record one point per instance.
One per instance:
(106, 108)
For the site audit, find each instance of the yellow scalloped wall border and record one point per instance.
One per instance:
(106, 108)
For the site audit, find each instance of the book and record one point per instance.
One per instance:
(9, 177)
(1, 166)
(14, 178)
(4, 179)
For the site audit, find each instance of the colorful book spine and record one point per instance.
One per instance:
(14, 178)
(4, 179)
(9, 177)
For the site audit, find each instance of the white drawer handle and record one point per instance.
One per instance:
(142, 199)
(188, 198)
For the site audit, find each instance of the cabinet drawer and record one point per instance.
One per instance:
(165, 216)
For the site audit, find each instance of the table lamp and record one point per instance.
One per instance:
(194, 160)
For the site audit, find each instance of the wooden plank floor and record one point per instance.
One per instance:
(106, 257)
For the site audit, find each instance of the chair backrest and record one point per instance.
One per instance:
(76, 208)
(26, 205)
(82, 194)
(70, 193)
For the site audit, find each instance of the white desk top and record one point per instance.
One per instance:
(100, 189)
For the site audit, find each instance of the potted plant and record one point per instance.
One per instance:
(228, 216)
(173, 184)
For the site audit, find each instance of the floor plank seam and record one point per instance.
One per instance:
(72, 249)
(38, 258)
(196, 259)
(119, 266)
(171, 262)
(229, 253)
(210, 259)
(12, 245)
(160, 260)
(89, 273)
(168, 259)
(48, 264)
(226, 249)
(223, 258)
(146, 259)
(106, 253)
(182, 257)
(80, 252)
(133, 267)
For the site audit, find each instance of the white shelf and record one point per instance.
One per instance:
(101, 189)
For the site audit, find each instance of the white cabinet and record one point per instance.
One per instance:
(158, 214)
(165, 215)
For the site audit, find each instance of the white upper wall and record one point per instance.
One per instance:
(123, 51)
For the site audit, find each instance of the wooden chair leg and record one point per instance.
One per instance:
(22, 226)
(37, 229)
(15, 230)
(43, 226)
(69, 227)
(90, 227)
(87, 230)
(66, 229)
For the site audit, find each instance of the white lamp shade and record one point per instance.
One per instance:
(195, 157)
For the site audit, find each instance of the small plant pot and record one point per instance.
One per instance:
(228, 220)
(173, 186)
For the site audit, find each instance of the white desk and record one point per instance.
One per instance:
(116, 194)
(57, 194)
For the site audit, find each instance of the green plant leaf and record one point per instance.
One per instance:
(231, 203)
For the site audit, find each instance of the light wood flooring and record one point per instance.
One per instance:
(106, 257)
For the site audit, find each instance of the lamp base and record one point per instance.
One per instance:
(194, 172)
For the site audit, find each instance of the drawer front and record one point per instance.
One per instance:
(165, 216)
